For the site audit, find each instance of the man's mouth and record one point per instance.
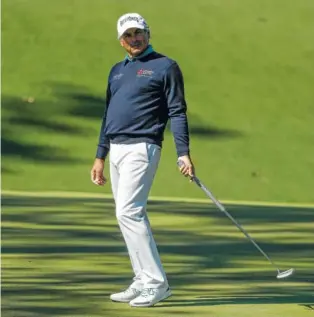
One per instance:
(136, 45)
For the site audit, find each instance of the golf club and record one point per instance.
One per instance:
(280, 274)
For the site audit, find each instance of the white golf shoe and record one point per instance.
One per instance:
(150, 297)
(133, 291)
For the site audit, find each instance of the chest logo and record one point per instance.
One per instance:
(144, 73)
(117, 77)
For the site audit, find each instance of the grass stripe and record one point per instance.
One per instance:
(69, 194)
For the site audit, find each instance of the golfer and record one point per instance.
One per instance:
(144, 91)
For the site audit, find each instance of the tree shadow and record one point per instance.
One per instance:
(88, 105)
(212, 132)
(261, 297)
(308, 306)
(247, 214)
(41, 232)
(14, 148)
(22, 116)
(5, 170)
(82, 102)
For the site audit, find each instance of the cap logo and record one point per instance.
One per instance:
(130, 18)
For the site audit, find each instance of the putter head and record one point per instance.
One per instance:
(285, 274)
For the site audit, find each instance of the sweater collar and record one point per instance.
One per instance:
(147, 51)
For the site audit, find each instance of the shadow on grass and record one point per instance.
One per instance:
(37, 153)
(67, 254)
(86, 105)
(261, 298)
(29, 116)
(20, 117)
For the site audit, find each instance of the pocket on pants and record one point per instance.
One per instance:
(147, 152)
(153, 152)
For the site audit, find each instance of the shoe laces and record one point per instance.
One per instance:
(131, 290)
(149, 292)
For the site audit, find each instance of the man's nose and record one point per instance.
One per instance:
(133, 37)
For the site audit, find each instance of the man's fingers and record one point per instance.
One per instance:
(99, 182)
(186, 170)
(97, 177)
(92, 174)
(191, 171)
(97, 172)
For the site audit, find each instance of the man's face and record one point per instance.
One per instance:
(134, 41)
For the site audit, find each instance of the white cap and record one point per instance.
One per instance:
(131, 20)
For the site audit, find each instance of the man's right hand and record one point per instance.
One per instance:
(97, 172)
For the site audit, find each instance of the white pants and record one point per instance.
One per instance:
(132, 170)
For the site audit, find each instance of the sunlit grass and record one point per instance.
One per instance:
(248, 69)
(64, 256)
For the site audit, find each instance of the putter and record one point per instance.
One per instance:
(280, 274)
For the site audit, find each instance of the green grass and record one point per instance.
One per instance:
(249, 73)
(63, 256)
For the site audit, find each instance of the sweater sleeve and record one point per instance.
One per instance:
(103, 142)
(174, 92)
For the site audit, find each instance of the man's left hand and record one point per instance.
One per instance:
(187, 168)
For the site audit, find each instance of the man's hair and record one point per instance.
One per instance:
(148, 32)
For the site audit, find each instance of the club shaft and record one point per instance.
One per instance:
(222, 208)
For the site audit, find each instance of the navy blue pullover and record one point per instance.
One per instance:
(142, 94)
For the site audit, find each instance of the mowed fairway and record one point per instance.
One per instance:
(249, 73)
(62, 256)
